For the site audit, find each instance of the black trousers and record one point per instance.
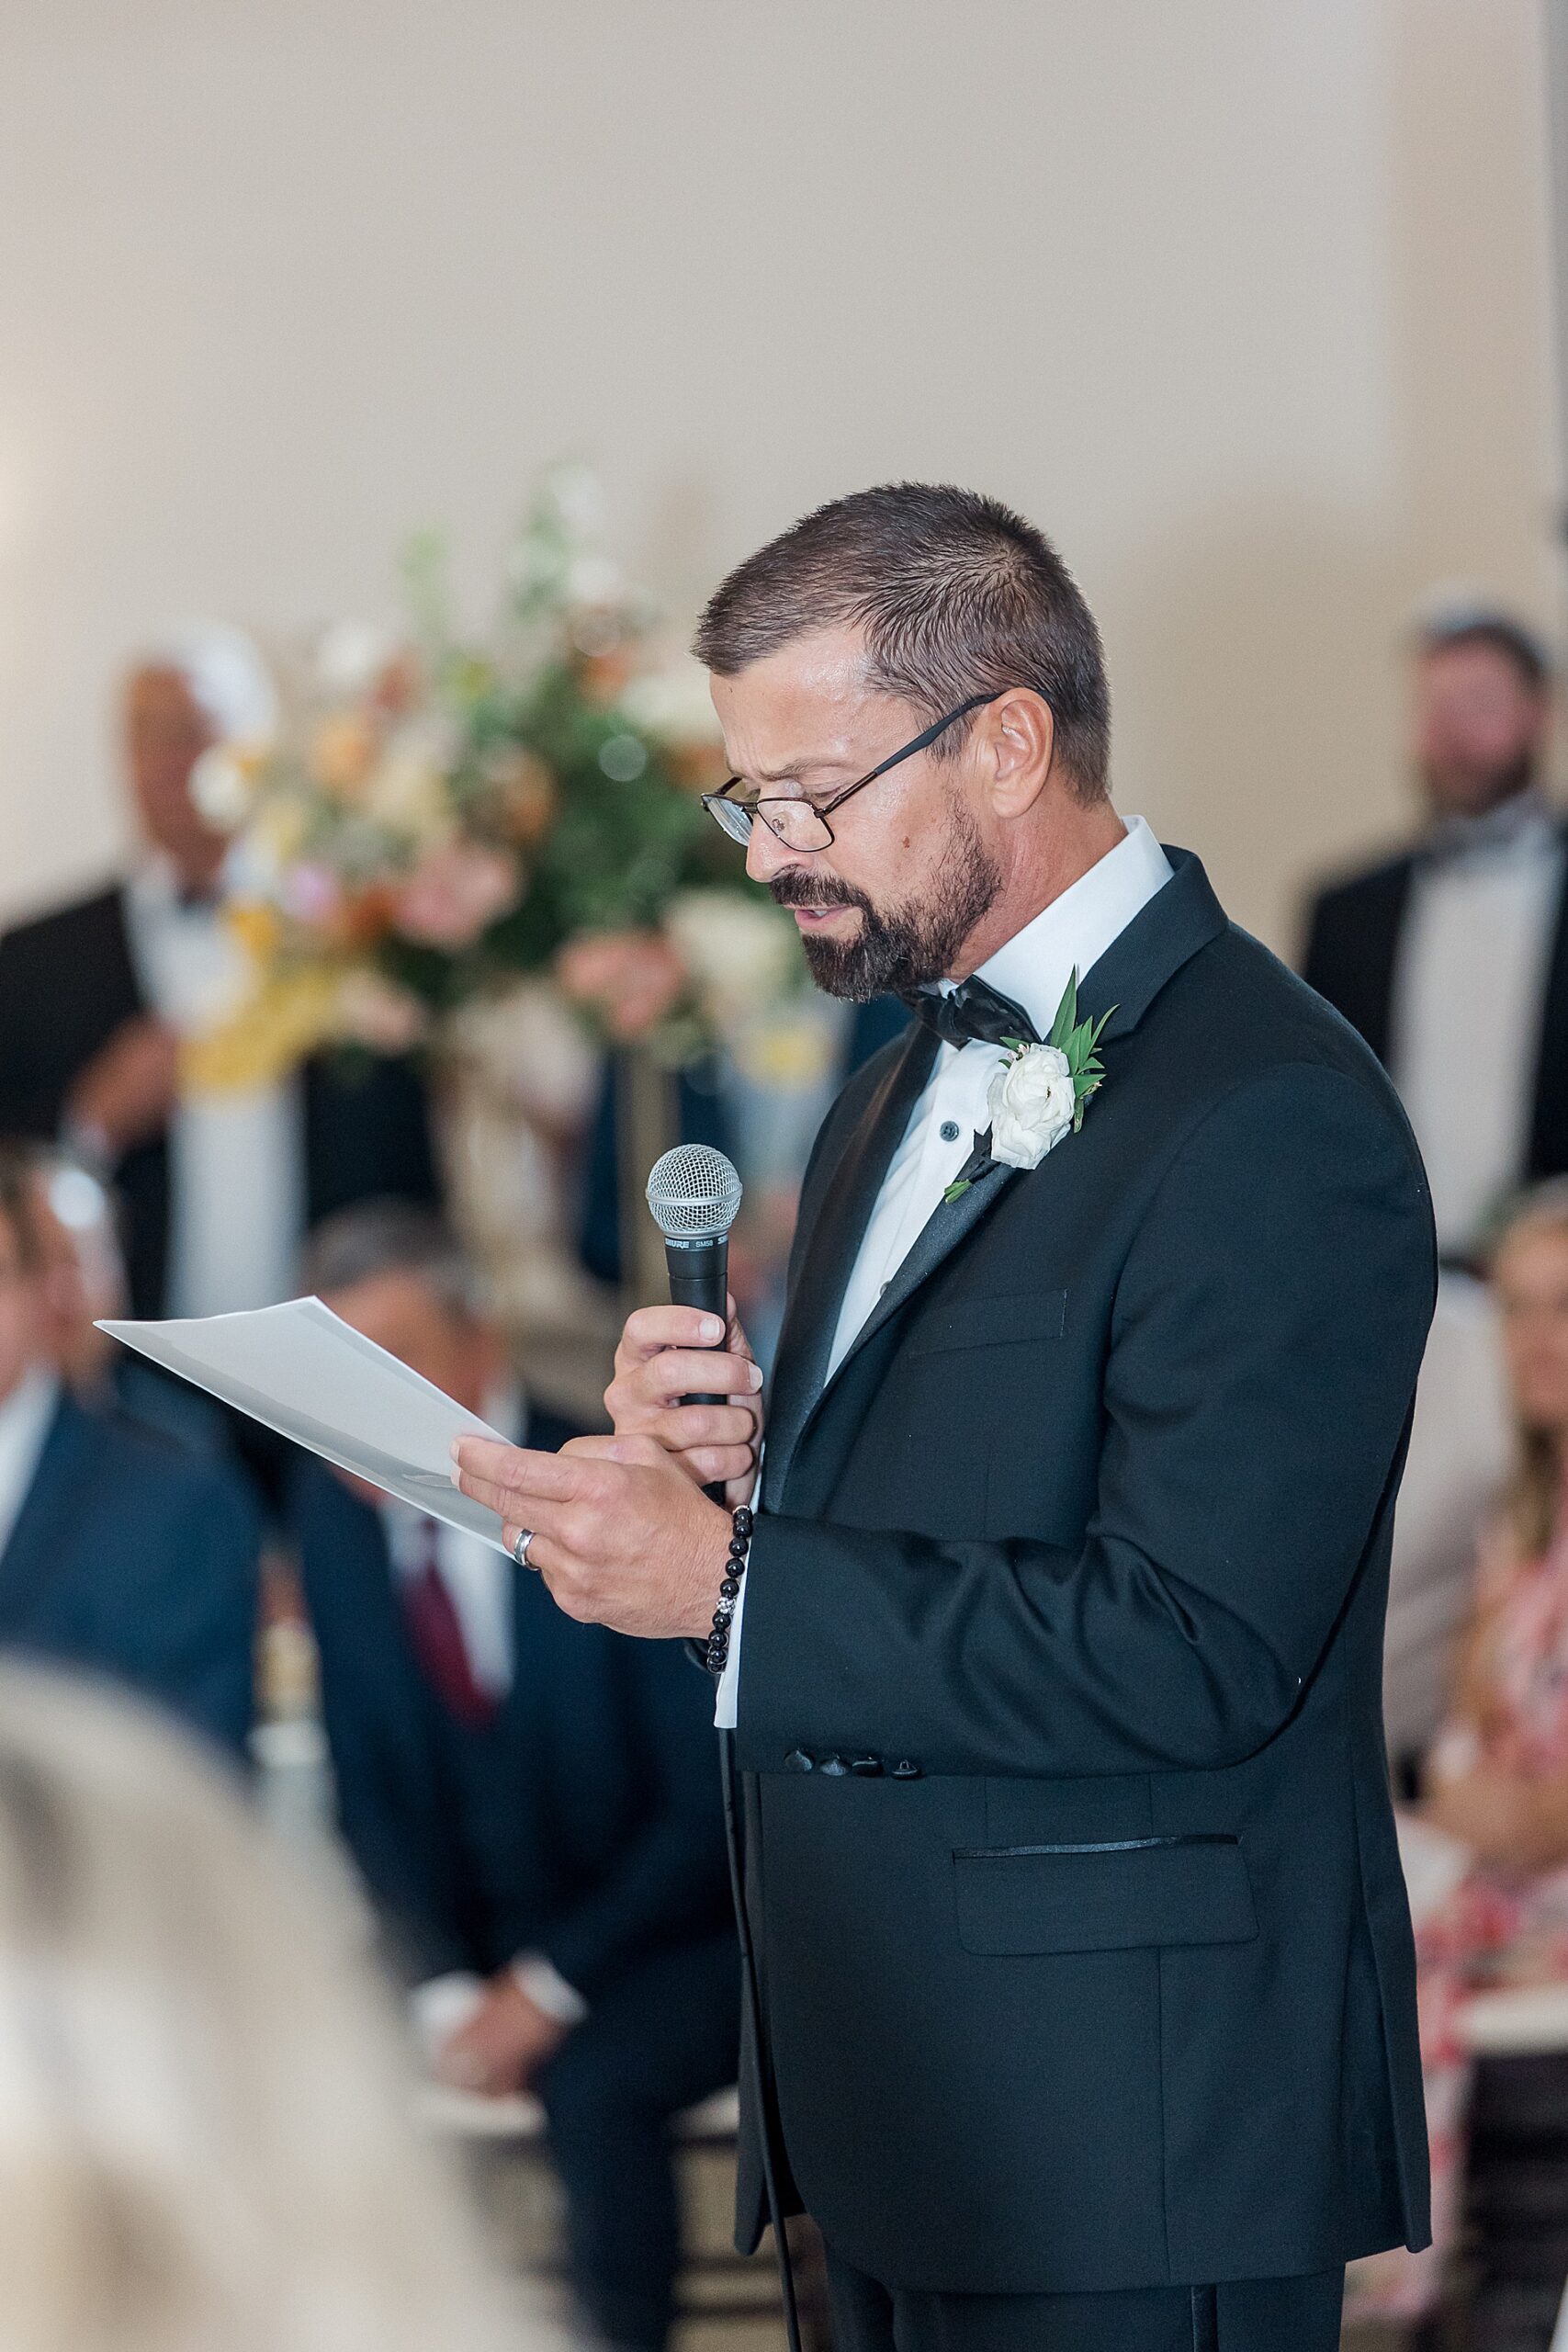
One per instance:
(662, 2037)
(1248, 2315)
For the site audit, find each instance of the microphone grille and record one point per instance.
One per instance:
(693, 1193)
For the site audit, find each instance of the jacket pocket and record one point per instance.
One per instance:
(1115, 1896)
(1004, 1320)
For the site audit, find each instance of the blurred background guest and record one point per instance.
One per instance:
(533, 1803)
(119, 1552)
(208, 2142)
(1451, 957)
(83, 1281)
(1460, 1445)
(219, 1184)
(1498, 1775)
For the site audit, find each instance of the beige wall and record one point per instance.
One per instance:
(1245, 300)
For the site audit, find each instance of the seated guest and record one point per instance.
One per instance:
(95, 996)
(208, 2145)
(1498, 1775)
(119, 1552)
(1398, 945)
(533, 1803)
(84, 1277)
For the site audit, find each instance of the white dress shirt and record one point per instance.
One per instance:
(1468, 992)
(480, 1581)
(1032, 968)
(236, 1156)
(25, 1418)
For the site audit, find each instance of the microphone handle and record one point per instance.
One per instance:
(699, 1277)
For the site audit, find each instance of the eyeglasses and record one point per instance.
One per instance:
(802, 824)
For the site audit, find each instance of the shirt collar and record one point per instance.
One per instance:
(1073, 933)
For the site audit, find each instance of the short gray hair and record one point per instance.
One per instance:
(392, 1237)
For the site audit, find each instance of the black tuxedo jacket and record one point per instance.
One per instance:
(67, 982)
(1084, 1950)
(135, 1558)
(584, 1822)
(1353, 933)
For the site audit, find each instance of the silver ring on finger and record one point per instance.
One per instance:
(520, 1548)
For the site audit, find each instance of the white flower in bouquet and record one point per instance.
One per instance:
(407, 787)
(742, 952)
(223, 784)
(674, 705)
(350, 656)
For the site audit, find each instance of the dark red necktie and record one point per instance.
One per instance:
(437, 1637)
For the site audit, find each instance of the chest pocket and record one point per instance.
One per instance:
(1010, 1319)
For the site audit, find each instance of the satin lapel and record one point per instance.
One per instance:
(40, 1540)
(847, 1196)
(949, 1223)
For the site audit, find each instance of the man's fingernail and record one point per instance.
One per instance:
(756, 1375)
(711, 1327)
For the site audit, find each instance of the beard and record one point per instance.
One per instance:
(1472, 790)
(896, 948)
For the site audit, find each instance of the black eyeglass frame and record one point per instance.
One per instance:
(753, 809)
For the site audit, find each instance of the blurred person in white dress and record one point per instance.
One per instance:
(206, 2133)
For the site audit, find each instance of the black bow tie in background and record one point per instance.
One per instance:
(972, 1013)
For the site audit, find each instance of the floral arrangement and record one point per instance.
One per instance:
(440, 818)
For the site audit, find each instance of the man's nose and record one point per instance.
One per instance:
(765, 853)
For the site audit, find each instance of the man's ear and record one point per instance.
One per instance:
(1017, 743)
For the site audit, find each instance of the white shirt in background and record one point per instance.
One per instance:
(26, 1417)
(236, 1158)
(1032, 968)
(1465, 1034)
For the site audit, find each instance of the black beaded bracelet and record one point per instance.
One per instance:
(718, 1651)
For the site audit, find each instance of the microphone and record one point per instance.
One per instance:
(693, 1193)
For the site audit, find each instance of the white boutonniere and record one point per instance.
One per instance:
(1039, 1093)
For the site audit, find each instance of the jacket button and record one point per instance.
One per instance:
(867, 1768)
(905, 1771)
(833, 1768)
(798, 1761)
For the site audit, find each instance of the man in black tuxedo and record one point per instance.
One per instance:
(533, 1806)
(121, 1553)
(93, 999)
(1086, 1996)
(1452, 954)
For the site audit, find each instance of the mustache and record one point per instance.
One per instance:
(795, 888)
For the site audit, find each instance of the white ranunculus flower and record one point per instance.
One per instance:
(1031, 1101)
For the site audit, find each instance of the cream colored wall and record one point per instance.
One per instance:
(1246, 302)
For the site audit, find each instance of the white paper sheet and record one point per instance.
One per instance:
(300, 1370)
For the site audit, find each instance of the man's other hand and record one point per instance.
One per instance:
(504, 2044)
(668, 1353)
(125, 1094)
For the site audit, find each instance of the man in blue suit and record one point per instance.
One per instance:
(119, 1552)
(532, 1804)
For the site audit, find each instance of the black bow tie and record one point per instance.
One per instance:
(972, 1013)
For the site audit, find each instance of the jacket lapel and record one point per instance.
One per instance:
(846, 1197)
(1178, 922)
(40, 1539)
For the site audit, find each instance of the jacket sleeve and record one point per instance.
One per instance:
(1265, 1336)
(671, 1883)
(199, 1615)
(29, 1099)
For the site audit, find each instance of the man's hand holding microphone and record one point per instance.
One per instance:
(620, 1527)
